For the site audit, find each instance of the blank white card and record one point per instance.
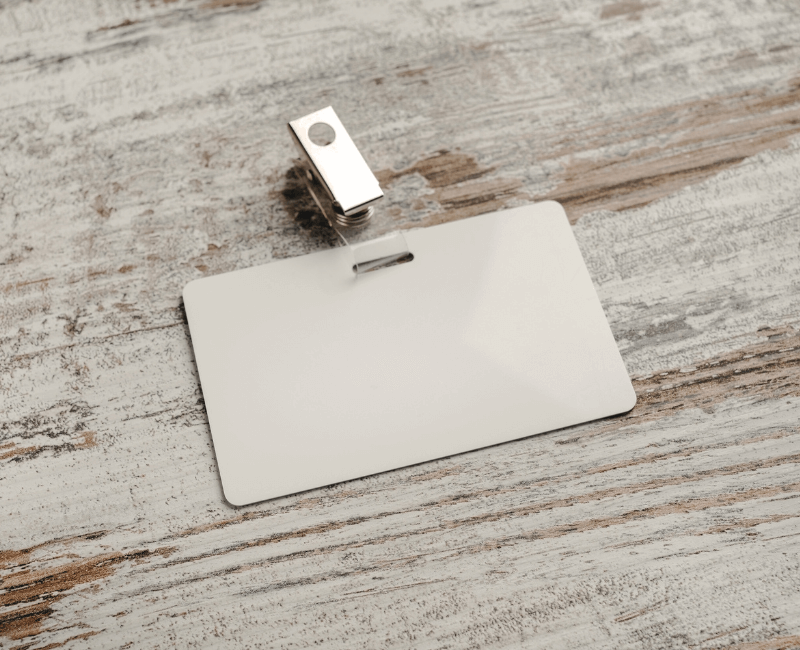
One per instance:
(313, 375)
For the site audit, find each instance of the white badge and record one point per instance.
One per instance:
(313, 374)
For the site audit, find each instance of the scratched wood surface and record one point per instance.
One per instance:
(143, 144)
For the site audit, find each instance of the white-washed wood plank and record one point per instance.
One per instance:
(139, 157)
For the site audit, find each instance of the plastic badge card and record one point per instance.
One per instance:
(314, 374)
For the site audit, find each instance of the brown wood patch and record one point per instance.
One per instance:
(45, 587)
(461, 186)
(630, 8)
(705, 136)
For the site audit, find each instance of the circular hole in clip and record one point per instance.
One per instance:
(321, 134)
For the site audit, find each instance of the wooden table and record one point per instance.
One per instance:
(144, 144)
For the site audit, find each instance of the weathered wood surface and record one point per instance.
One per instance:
(144, 145)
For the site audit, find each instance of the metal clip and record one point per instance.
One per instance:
(332, 159)
(344, 189)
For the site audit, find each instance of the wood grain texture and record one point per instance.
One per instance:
(144, 145)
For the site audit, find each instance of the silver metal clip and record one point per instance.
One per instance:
(332, 159)
(344, 189)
